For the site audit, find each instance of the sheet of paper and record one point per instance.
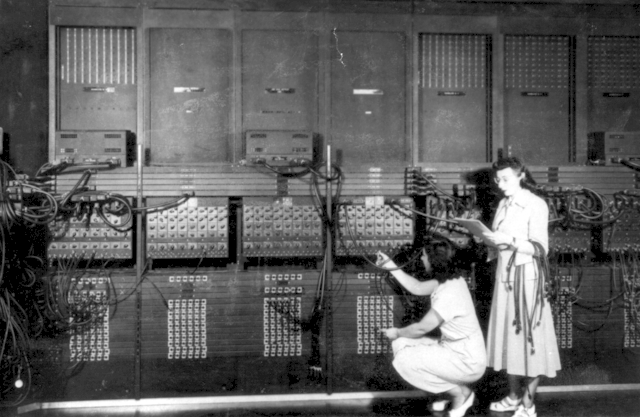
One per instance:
(474, 226)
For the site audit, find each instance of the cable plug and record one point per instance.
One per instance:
(300, 162)
(19, 383)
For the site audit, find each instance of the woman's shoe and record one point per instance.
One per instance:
(461, 411)
(439, 405)
(522, 411)
(505, 404)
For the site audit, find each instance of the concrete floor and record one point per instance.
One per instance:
(595, 402)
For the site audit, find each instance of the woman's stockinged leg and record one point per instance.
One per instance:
(459, 395)
(531, 385)
(462, 398)
(513, 399)
(515, 387)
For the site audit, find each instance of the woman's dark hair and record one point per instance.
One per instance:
(518, 167)
(443, 257)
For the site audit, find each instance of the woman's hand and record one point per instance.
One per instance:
(391, 333)
(382, 259)
(498, 239)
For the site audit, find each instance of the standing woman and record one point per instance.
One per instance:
(521, 337)
(458, 358)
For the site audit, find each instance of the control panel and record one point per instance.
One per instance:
(97, 233)
(94, 147)
(210, 313)
(287, 302)
(89, 341)
(197, 228)
(441, 213)
(371, 224)
(631, 325)
(187, 328)
(609, 147)
(279, 227)
(569, 230)
(279, 147)
(374, 312)
(562, 307)
(282, 331)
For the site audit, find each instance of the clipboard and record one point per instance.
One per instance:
(474, 226)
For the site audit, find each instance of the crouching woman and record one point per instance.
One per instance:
(449, 364)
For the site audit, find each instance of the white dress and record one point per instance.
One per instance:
(526, 217)
(458, 357)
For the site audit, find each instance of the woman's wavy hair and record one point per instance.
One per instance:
(518, 167)
(444, 259)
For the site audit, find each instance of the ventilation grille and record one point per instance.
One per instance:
(537, 61)
(97, 55)
(613, 62)
(453, 61)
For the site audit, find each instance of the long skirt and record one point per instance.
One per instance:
(510, 349)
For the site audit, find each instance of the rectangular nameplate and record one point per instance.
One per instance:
(534, 94)
(99, 89)
(616, 95)
(280, 90)
(367, 92)
(451, 93)
(188, 89)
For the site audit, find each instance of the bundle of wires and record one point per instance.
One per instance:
(14, 350)
(580, 207)
(443, 207)
(22, 201)
(30, 301)
(20, 318)
(317, 178)
(70, 300)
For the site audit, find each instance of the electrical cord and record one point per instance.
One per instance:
(285, 171)
(627, 163)
(435, 187)
(165, 206)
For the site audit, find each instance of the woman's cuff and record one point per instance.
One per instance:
(388, 264)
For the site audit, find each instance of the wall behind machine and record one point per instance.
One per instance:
(23, 83)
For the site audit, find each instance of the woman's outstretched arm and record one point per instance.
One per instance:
(411, 284)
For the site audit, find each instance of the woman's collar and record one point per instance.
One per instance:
(518, 196)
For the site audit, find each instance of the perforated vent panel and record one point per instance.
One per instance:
(453, 61)
(537, 61)
(613, 62)
(97, 55)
